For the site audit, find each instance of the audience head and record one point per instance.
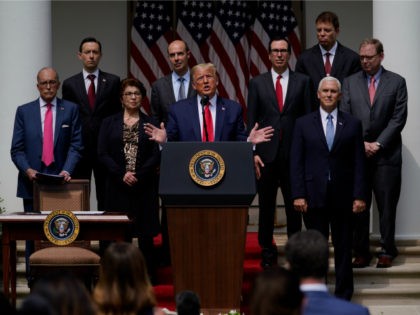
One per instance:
(371, 53)
(276, 292)
(307, 254)
(327, 29)
(123, 286)
(179, 55)
(132, 93)
(187, 303)
(279, 54)
(90, 53)
(58, 294)
(205, 79)
(47, 83)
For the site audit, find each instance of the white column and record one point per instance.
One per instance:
(397, 25)
(26, 47)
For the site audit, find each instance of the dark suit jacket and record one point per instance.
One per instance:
(311, 161)
(26, 149)
(163, 95)
(264, 110)
(107, 103)
(323, 303)
(310, 62)
(141, 200)
(384, 121)
(183, 122)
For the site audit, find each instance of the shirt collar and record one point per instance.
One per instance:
(284, 74)
(85, 73)
(331, 51)
(43, 103)
(313, 287)
(186, 76)
(324, 114)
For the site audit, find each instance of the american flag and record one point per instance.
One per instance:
(232, 34)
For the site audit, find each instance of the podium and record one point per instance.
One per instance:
(207, 219)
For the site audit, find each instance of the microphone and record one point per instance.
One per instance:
(204, 101)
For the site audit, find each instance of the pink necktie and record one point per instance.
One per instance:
(209, 124)
(91, 91)
(48, 143)
(327, 64)
(372, 89)
(279, 93)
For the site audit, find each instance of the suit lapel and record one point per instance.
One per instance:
(271, 92)
(338, 129)
(318, 128)
(319, 61)
(220, 117)
(289, 93)
(59, 112)
(195, 120)
(36, 112)
(169, 87)
(363, 88)
(80, 86)
(382, 86)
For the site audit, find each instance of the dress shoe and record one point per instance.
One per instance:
(269, 257)
(384, 261)
(360, 262)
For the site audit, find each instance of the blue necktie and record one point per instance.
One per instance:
(329, 134)
(181, 92)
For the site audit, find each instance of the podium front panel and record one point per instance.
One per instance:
(236, 188)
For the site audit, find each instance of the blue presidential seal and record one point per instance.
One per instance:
(61, 227)
(207, 168)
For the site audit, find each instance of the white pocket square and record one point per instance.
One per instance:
(65, 126)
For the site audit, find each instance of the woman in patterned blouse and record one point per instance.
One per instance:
(131, 161)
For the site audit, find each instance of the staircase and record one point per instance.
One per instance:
(390, 291)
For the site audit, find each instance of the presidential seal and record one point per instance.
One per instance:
(61, 227)
(207, 168)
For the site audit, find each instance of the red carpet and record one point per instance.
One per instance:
(165, 292)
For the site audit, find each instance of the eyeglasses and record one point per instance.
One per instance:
(278, 51)
(200, 79)
(368, 58)
(46, 83)
(130, 94)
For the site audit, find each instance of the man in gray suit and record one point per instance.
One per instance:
(166, 91)
(378, 98)
(174, 86)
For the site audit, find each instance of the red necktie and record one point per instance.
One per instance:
(327, 64)
(279, 93)
(209, 124)
(91, 91)
(48, 142)
(372, 89)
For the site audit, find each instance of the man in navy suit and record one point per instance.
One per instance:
(272, 158)
(342, 60)
(28, 137)
(105, 102)
(186, 123)
(328, 176)
(307, 255)
(166, 91)
(175, 86)
(378, 98)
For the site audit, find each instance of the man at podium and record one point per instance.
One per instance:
(206, 117)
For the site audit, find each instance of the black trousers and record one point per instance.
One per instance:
(338, 219)
(385, 183)
(273, 175)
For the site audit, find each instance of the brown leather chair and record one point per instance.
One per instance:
(76, 257)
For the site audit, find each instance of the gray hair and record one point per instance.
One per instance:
(327, 79)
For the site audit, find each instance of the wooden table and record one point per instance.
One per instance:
(29, 226)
